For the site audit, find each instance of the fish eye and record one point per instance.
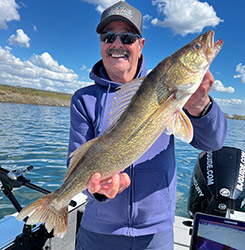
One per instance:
(197, 46)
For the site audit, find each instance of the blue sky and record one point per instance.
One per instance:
(52, 44)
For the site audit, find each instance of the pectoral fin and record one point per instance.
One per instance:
(77, 155)
(180, 125)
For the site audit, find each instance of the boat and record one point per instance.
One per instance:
(217, 188)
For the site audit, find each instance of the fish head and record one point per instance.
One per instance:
(199, 53)
(192, 61)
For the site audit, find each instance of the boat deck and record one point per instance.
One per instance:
(182, 235)
(10, 228)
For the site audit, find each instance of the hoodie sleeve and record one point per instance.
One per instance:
(209, 130)
(81, 131)
(81, 128)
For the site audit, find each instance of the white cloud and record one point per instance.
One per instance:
(185, 16)
(83, 67)
(20, 39)
(241, 70)
(147, 17)
(40, 71)
(146, 20)
(8, 48)
(45, 61)
(231, 101)
(219, 87)
(34, 28)
(101, 4)
(8, 12)
(148, 71)
(232, 106)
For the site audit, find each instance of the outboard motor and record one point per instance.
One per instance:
(218, 182)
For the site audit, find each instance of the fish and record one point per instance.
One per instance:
(141, 110)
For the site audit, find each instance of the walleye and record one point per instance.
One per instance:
(140, 112)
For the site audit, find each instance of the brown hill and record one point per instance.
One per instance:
(17, 94)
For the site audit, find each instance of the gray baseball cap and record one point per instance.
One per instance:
(121, 11)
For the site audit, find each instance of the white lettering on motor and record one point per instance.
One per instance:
(198, 189)
(210, 172)
(241, 176)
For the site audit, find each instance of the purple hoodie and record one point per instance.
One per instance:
(147, 206)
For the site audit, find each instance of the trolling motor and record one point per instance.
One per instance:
(32, 237)
(218, 183)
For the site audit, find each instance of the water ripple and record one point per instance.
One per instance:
(38, 136)
(33, 135)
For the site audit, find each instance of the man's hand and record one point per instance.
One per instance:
(109, 187)
(200, 99)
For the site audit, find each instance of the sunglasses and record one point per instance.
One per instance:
(126, 38)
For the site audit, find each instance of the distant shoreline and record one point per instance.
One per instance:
(23, 95)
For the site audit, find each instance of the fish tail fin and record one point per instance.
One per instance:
(45, 211)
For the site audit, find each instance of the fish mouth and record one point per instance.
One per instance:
(118, 53)
(213, 48)
(217, 46)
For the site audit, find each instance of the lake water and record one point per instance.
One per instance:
(38, 136)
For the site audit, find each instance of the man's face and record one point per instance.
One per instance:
(121, 60)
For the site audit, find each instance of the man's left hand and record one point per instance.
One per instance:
(200, 99)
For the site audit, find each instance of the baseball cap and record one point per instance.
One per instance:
(121, 11)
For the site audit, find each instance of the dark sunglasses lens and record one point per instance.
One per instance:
(108, 37)
(128, 38)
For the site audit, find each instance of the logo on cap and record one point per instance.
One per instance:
(122, 11)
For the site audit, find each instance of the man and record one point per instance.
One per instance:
(133, 209)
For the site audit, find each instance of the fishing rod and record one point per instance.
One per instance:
(15, 179)
(32, 236)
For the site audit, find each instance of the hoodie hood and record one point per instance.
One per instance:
(99, 75)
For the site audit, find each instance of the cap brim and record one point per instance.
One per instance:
(112, 18)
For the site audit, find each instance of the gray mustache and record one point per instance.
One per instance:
(111, 51)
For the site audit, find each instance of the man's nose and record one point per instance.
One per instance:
(118, 41)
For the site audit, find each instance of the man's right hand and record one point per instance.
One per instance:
(109, 187)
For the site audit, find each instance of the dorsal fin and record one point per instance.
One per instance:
(121, 100)
(77, 155)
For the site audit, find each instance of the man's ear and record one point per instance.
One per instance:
(141, 45)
